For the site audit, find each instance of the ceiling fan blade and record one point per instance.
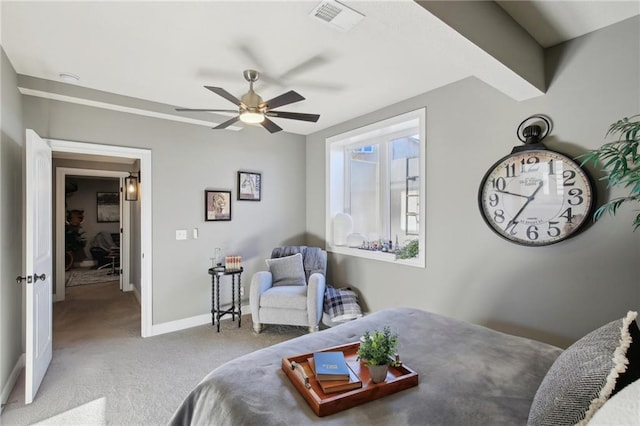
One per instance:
(312, 62)
(228, 96)
(294, 115)
(207, 110)
(227, 123)
(270, 125)
(285, 99)
(251, 55)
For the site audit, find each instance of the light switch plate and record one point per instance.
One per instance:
(181, 234)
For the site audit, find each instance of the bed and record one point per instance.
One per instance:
(469, 375)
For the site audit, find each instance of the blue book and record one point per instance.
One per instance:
(330, 366)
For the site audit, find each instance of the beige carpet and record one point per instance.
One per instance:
(103, 372)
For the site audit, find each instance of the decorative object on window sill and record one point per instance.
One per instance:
(355, 240)
(620, 164)
(131, 186)
(409, 251)
(536, 196)
(342, 227)
(249, 186)
(217, 205)
(252, 110)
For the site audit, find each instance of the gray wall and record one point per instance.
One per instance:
(188, 159)
(555, 293)
(12, 141)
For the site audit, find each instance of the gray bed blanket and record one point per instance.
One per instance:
(469, 375)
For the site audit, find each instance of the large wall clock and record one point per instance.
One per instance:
(536, 196)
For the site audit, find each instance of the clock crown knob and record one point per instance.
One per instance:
(532, 133)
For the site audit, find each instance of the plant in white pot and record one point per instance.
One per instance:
(377, 350)
(620, 162)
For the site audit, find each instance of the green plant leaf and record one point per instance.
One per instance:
(620, 162)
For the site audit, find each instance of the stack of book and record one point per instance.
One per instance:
(333, 373)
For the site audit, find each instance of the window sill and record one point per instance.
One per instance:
(376, 255)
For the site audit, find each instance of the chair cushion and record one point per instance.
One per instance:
(285, 297)
(585, 375)
(287, 270)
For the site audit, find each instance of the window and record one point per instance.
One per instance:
(375, 190)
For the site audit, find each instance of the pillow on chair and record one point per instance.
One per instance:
(287, 270)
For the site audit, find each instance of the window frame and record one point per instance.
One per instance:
(335, 161)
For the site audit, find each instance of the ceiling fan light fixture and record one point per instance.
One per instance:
(251, 117)
(252, 110)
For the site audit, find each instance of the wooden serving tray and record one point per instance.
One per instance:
(303, 378)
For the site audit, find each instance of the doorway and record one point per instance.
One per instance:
(140, 254)
(97, 246)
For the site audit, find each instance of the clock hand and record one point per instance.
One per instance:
(512, 193)
(530, 198)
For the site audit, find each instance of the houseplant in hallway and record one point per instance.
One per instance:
(377, 350)
(620, 162)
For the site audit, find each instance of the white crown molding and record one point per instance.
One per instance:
(120, 108)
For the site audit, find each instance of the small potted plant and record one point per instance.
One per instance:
(377, 350)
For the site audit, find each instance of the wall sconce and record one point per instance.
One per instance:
(131, 187)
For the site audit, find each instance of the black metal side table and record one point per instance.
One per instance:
(234, 310)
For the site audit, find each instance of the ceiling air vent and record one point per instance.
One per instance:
(337, 15)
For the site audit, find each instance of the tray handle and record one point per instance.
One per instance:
(303, 376)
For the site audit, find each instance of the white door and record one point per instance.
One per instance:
(38, 258)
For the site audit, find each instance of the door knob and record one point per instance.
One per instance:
(28, 279)
(39, 277)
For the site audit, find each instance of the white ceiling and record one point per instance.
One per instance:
(167, 51)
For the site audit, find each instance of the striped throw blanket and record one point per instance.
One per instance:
(341, 304)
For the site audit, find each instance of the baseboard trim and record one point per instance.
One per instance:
(136, 292)
(183, 324)
(11, 382)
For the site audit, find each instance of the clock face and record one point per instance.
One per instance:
(536, 197)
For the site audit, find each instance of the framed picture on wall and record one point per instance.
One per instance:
(249, 186)
(108, 207)
(217, 205)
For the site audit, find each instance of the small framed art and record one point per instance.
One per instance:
(108, 207)
(249, 186)
(217, 205)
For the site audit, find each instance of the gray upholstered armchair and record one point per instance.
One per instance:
(292, 290)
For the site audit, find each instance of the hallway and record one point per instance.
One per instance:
(95, 312)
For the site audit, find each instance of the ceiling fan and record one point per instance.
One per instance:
(252, 110)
